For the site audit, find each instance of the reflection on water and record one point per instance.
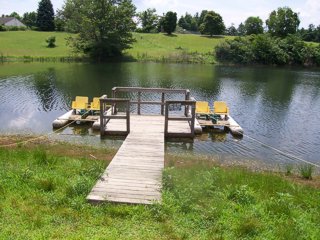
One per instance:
(278, 106)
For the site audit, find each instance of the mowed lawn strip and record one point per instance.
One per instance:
(147, 46)
(43, 193)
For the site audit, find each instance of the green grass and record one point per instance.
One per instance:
(175, 48)
(42, 196)
(31, 45)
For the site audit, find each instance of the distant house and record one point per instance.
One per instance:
(11, 22)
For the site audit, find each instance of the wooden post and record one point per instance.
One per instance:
(114, 105)
(139, 100)
(193, 115)
(102, 111)
(166, 119)
(186, 107)
(162, 103)
(128, 116)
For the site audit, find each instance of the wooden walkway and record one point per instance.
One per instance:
(135, 173)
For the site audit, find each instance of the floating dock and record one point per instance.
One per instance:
(230, 124)
(71, 117)
(135, 173)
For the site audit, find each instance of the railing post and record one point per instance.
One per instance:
(128, 116)
(162, 103)
(166, 119)
(139, 100)
(186, 108)
(114, 105)
(193, 115)
(102, 111)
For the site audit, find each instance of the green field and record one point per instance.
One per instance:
(43, 190)
(31, 43)
(148, 47)
(184, 47)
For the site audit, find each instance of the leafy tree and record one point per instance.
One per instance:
(104, 27)
(188, 22)
(201, 17)
(183, 23)
(30, 19)
(72, 18)
(15, 15)
(232, 31)
(253, 25)
(213, 24)
(283, 22)
(312, 34)
(45, 16)
(149, 20)
(169, 22)
(241, 30)
(59, 21)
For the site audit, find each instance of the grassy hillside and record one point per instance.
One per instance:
(148, 47)
(31, 43)
(185, 47)
(43, 191)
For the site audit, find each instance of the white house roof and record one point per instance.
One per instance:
(11, 21)
(4, 20)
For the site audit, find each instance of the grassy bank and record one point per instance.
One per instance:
(31, 46)
(43, 190)
(176, 48)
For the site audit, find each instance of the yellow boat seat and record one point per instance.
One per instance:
(80, 103)
(220, 108)
(95, 104)
(202, 107)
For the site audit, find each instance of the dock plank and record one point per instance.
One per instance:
(135, 173)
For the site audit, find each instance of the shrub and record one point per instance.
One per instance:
(2, 28)
(13, 28)
(265, 49)
(237, 51)
(51, 41)
(306, 171)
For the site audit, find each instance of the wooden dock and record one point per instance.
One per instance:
(135, 173)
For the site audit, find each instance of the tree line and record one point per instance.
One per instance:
(205, 22)
(104, 29)
(282, 44)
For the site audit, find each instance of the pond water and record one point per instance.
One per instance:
(277, 106)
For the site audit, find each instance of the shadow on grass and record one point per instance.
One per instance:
(214, 36)
(170, 35)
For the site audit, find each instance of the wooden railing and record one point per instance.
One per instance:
(105, 117)
(189, 117)
(161, 91)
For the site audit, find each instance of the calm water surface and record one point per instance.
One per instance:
(277, 106)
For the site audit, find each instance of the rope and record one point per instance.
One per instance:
(245, 135)
(42, 136)
(282, 152)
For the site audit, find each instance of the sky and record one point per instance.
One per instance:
(232, 11)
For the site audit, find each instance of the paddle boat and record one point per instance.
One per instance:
(82, 111)
(217, 117)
